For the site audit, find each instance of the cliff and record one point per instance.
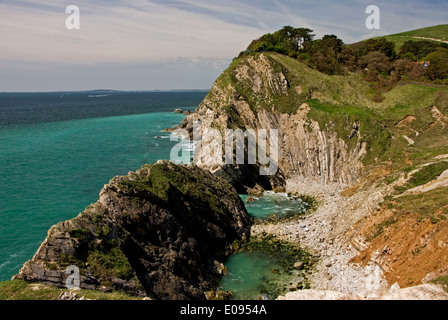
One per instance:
(321, 136)
(387, 156)
(158, 232)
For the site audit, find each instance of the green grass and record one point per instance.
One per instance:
(343, 118)
(424, 205)
(424, 175)
(348, 90)
(415, 100)
(428, 173)
(336, 90)
(21, 290)
(79, 233)
(111, 263)
(409, 97)
(439, 32)
(340, 101)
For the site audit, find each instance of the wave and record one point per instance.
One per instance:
(98, 95)
(11, 259)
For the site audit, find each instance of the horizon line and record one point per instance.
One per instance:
(110, 90)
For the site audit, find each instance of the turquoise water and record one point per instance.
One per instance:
(51, 171)
(58, 152)
(255, 275)
(272, 205)
(252, 276)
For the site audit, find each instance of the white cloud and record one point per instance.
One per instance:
(136, 32)
(188, 35)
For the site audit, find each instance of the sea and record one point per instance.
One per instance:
(58, 149)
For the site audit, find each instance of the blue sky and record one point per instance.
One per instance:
(169, 44)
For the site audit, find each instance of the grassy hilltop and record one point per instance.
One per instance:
(434, 33)
(372, 81)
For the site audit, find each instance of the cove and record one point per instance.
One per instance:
(254, 276)
(266, 268)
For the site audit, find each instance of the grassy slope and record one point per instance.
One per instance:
(346, 99)
(21, 290)
(333, 96)
(406, 111)
(352, 96)
(439, 32)
(416, 99)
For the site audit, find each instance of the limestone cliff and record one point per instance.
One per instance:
(158, 232)
(270, 91)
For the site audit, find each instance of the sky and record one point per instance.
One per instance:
(169, 44)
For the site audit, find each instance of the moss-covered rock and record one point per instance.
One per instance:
(156, 232)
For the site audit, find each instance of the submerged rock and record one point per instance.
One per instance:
(157, 232)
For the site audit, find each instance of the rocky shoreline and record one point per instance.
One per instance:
(327, 233)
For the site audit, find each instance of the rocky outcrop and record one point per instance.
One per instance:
(247, 96)
(160, 232)
(426, 292)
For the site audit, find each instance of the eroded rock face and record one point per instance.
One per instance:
(157, 232)
(246, 97)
